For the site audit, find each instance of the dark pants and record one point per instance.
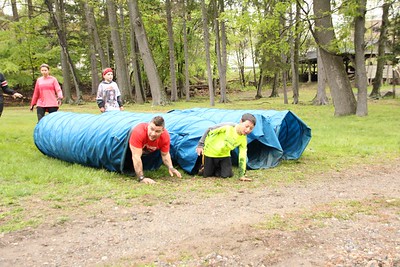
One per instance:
(1, 102)
(219, 167)
(41, 111)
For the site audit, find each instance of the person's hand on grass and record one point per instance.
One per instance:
(148, 181)
(245, 179)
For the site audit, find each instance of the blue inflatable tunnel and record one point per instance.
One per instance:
(92, 140)
(291, 134)
(101, 141)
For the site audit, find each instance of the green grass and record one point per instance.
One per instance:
(35, 187)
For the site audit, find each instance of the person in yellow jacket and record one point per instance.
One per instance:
(217, 143)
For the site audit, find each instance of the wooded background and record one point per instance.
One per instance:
(160, 49)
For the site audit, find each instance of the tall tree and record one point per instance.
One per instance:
(274, 87)
(171, 49)
(359, 45)
(97, 41)
(221, 49)
(30, 8)
(320, 98)
(295, 55)
(64, 47)
(121, 69)
(156, 87)
(341, 91)
(92, 49)
(140, 96)
(207, 51)
(60, 14)
(377, 82)
(185, 51)
(14, 10)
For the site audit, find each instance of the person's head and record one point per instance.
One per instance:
(247, 124)
(155, 128)
(108, 74)
(44, 70)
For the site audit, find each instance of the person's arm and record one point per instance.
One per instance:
(138, 165)
(7, 89)
(166, 158)
(99, 98)
(200, 145)
(121, 106)
(35, 95)
(242, 161)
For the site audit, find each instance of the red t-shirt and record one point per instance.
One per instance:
(140, 139)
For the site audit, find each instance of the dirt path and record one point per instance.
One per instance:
(226, 230)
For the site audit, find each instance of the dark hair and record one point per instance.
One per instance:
(158, 121)
(249, 117)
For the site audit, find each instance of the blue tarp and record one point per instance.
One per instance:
(101, 141)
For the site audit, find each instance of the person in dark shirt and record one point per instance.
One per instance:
(7, 90)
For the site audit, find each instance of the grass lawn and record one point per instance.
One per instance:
(35, 187)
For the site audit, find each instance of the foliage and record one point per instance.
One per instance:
(27, 43)
(24, 50)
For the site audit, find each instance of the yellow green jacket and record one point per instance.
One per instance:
(218, 142)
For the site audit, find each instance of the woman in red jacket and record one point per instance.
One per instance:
(47, 94)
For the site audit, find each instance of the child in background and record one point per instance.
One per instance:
(108, 94)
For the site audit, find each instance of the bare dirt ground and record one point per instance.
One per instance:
(349, 218)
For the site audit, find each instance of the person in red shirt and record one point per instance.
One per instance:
(147, 138)
(47, 94)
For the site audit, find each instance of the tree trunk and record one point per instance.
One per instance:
(259, 85)
(295, 57)
(341, 91)
(140, 96)
(121, 70)
(240, 61)
(124, 41)
(377, 82)
(321, 98)
(30, 8)
(92, 50)
(97, 41)
(66, 86)
(223, 54)
(207, 51)
(64, 47)
(284, 80)
(186, 52)
(361, 73)
(174, 91)
(156, 87)
(253, 57)
(274, 92)
(14, 10)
